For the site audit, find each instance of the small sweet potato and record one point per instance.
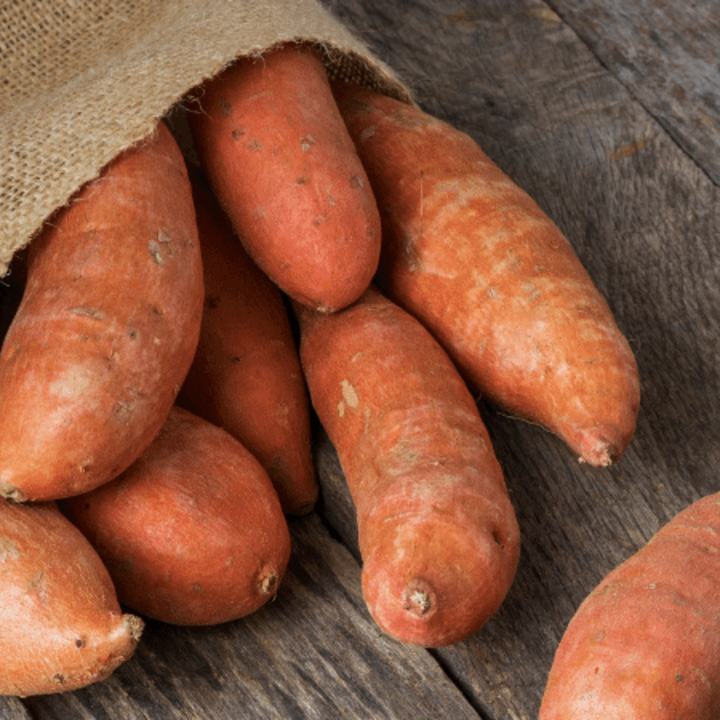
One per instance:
(106, 329)
(645, 644)
(437, 531)
(62, 626)
(282, 165)
(192, 532)
(474, 258)
(246, 375)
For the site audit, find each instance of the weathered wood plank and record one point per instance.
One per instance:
(12, 708)
(666, 53)
(312, 653)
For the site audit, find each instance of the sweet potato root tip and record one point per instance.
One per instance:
(269, 582)
(419, 599)
(132, 626)
(9, 492)
(597, 450)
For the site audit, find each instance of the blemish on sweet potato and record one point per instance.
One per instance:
(88, 312)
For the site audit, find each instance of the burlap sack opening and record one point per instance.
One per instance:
(82, 81)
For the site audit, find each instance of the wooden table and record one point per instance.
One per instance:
(608, 113)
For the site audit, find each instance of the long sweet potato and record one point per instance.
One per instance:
(246, 375)
(645, 644)
(106, 329)
(284, 168)
(437, 531)
(473, 257)
(192, 533)
(62, 627)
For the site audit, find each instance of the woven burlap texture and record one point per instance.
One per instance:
(82, 80)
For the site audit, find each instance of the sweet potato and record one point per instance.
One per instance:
(645, 644)
(62, 626)
(474, 258)
(437, 531)
(246, 375)
(192, 532)
(106, 329)
(281, 162)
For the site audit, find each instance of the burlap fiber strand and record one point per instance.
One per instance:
(82, 80)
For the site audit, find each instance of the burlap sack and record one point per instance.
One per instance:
(81, 80)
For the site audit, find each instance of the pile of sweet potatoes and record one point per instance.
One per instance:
(335, 252)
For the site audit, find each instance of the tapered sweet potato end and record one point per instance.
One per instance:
(595, 448)
(93, 658)
(601, 444)
(62, 627)
(446, 592)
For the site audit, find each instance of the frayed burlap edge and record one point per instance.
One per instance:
(58, 138)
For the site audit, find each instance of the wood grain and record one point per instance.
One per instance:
(666, 54)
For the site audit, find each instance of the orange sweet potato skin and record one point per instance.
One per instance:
(62, 626)
(192, 533)
(106, 329)
(477, 261)
(246, 375)
(284, 168)
(645, 644)
(437, 531)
